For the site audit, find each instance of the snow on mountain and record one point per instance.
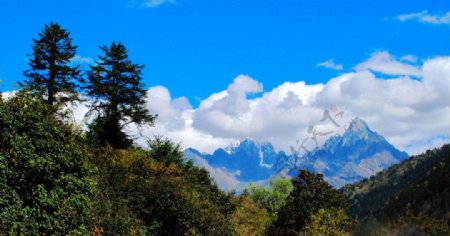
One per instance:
(356, 154)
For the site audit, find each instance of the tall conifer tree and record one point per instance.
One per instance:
(115, 84)
(51, 73)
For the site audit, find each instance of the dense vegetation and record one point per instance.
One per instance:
(413, 194)
(136, 194)
(52, 182)
(313, 206)
(59, 179)
(44, 178)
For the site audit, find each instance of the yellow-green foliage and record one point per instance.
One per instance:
(136, 193)
(249, 219)
(328, 222)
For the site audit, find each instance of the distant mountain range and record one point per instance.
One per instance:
(356, 154)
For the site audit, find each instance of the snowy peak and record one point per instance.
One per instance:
(358, 132)
(252, 159)
(356, 154)
(358, 125)
(249, 145)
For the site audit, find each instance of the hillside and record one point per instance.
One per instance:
(418, 186)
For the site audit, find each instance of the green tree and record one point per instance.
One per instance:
(271, 198)
(164, 150)
(115, 84)
(44, 183)
(311, 193)
(51, 74)
(138, 193)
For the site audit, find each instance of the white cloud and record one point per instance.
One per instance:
(156, 3)
(425, 17)
(82, 60)
(409, 58)
(331, 65)
(404, 110)
(413, 114)
(385, 63)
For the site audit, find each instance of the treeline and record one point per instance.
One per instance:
(411, 197)
(58, 179)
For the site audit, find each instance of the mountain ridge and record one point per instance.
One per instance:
(356, 154)
(418, 185)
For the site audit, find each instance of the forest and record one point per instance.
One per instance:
(60, 178)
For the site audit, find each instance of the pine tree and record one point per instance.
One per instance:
(51, 73)
(115, 84)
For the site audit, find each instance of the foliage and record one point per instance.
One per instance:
(115, 85)
(311, 193)
(137, 193)
(44, 182)
(271, 198)
(103, 132)
(248, 218)
(329, 222)
(419, 186)
(51, 73)
(163, 150)
(404, 225)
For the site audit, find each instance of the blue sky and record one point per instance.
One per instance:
(386, 62)
(197, 47)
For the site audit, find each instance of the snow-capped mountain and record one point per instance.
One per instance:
(356, 154)
(253, 161)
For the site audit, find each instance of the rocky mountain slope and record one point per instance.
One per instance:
(356, 154)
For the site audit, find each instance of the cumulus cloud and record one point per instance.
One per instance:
(425, 17)
(407, 103)
(402, 109)
(331, 65)
(405, 110)
(174, 121)
(411, 112)
(385, 63)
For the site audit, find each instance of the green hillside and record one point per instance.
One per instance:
(416, 187)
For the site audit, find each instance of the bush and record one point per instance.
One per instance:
(140, 194)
